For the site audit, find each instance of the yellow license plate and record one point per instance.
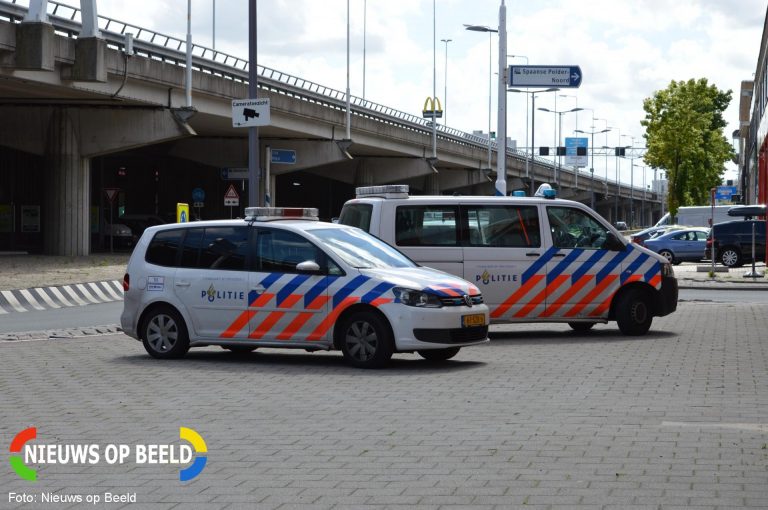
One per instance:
(476, 319)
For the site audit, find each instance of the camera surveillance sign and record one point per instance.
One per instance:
(250, 112)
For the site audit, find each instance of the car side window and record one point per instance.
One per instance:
(164, 247)
(502, 225)
(279, 251)
(573, 228)
(224, 248)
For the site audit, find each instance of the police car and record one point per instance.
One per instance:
(535, 259)
(281, 278)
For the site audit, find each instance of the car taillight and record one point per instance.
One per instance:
(126, 282)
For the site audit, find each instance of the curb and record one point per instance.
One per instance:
(48, 298)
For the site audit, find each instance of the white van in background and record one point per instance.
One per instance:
(535, 259)
(697, 216)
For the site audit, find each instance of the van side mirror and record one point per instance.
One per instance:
(613, 243)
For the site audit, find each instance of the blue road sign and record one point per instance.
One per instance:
(571, 152)
(284, 156)
(544, 76)
(725, 192)
(198, 195)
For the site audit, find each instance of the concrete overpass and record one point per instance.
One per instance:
(71, 97)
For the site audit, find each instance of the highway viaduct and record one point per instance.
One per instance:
(81, 116)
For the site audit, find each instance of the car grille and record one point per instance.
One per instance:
(452, 336)
(459, 300)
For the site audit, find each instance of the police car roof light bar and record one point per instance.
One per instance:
(384, 191)
(280, 213)
(546, 191)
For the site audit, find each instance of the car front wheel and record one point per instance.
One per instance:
(634, 313)
(730, 257)
(366, 340)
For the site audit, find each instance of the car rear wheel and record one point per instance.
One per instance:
(581, 326)
(366, 340)
(634, 313)
(164, 334)
(730, 257)
(669, 256)
(439, 354)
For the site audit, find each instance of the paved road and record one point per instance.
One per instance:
(541, 417)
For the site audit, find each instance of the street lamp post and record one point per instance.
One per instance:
(491, 31)
(445, 83)
(533, 133)
(592, 165)
(631, 181)
(559, 135)
(576, 99)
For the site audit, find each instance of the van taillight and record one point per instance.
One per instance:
(126, 282)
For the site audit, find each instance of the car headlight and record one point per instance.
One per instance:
(417, 298)
(666, 270)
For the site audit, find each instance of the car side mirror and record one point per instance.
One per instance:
(308, 266)
(613, 243)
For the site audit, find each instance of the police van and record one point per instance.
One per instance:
(535, 259)
(281, 278)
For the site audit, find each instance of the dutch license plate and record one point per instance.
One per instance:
(476, 319)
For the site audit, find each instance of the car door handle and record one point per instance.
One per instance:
(532, 254)
(182, 284)
(558, 255)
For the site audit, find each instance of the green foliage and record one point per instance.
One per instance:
(684, 135)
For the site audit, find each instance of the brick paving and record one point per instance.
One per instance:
(542, 417)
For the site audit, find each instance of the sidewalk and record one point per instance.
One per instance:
(30, 271)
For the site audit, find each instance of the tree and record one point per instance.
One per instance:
(684, 134)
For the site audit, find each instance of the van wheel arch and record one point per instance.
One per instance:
(142, 324)
(643, 287)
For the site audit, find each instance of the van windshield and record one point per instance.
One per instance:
(360, 249)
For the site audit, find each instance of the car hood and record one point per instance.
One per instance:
(424, 278)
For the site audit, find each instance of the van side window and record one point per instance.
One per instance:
(426, 225)
(164, 247)
(573, 228)
(224, 248)
(502, 226)
(357, 215)
(279, 251)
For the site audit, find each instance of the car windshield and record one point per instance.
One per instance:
(360, 249)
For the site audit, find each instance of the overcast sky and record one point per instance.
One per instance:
(626, 50)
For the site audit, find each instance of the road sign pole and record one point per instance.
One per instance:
(254, 170)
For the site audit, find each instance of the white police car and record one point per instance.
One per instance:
(280, 278)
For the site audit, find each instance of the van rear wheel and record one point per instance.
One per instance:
(634, 313)
(439, 354)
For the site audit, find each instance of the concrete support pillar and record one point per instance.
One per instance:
(89, 60)
(35, 46)
(432, 184)
(364, 175)
(65, 210)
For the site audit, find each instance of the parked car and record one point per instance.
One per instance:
(686, 245)
(121, 234)
(621, 225)
(733, 242)
(652, 232)
(139, 222)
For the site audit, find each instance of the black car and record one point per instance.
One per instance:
(733, 242)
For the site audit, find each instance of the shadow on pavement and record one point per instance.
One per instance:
(549, 337)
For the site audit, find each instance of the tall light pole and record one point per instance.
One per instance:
(434, 83)
(631, 181)
(559, 134)
(592, 147)
(445, 94)
(576, 99)
(349, 109)
(213, 25)
(642, 202)
(618, 184)
(482, 28)
(532, 94)
(365, 36)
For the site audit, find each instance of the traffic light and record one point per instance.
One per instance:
(543, 151)
(581, 151)
(621, 151)
(561, 151)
